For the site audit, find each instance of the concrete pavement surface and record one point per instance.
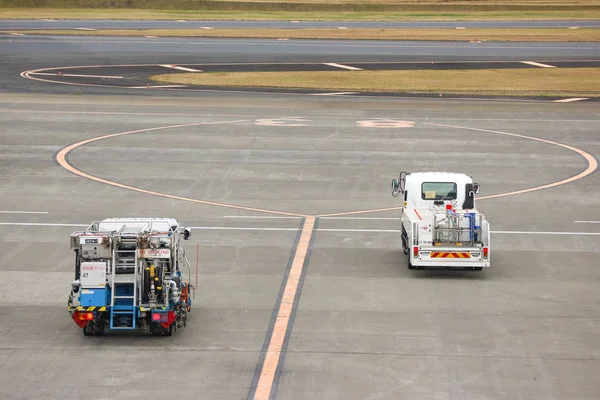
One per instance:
(365, 326)
(361, 325)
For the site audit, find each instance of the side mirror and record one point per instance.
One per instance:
(395, 187)
(187, 233)
(476, 188)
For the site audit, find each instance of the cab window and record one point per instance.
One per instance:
(438, 191)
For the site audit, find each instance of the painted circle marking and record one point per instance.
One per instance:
(62, 160)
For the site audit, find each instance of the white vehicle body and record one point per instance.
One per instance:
(440, 225)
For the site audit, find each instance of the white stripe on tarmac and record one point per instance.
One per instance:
(77, 75)
(538, 64)
(239, 228)
(570, 100)
(86, 29)
(343, 66)
(333, 94)
(23, 212)
(261, 216)
(587, 222)
(179, 68)
(154, 87)
(362, 218)
(39, 224)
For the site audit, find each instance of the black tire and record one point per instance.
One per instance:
(87, 331)
(478, 268)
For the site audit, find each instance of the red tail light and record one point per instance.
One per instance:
(156, 317)
(89, 316)
(415, 251)
(485, 252)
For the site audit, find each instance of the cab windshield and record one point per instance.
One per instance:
(438, 191)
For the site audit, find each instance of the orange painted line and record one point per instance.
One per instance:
(61, 159)
(267, 375)
(591, 167)
(592, 163)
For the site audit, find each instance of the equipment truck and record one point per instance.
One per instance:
(440, 225)
(129, 276)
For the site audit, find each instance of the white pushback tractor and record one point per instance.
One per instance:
(440, 225)
(129, 276)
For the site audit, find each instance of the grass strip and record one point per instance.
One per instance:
(572, 82)
(488, 34)
(400, 14)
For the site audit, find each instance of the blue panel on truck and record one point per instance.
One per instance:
(92, 297)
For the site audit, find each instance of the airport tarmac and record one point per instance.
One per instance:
(362, 325)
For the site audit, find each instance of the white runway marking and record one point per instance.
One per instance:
(23, 212)
(333, 94)
(363, 218)
(179, 68)
(587, 222)
(86, 29)
(154, 87)
(39, 224)
(78, 75)
(250, 228)
(343, 66)
(261, 216)
(538, 64)
(570, 100)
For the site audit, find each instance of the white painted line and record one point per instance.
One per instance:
(181, 20)
(206, 27)
(342, 27)
(239, 228)
(295, 22)
(538, 64)
(48, 20)
(150, 37)
(172, 66)
(23, 212)
(573, 27)
(77, 75)
(154, 87)
(460, 27)
(343, 66)
(332, 94)
(362, 218)
(38, 224)
(359, 230)
(548, 233)
(570, 100)
(236, 228)
(587, 222)
(17, 34)
(86, 29)
(261, 216)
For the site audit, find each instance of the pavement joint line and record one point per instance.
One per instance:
(343, 66)
(177, 67)
(538, 64)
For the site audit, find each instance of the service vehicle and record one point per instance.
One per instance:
(129, 276)
(441, 226)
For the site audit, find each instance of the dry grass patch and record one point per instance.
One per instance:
(528, 34)
(391, 15)
(577, 82)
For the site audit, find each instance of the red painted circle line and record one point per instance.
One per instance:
(62, 160)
